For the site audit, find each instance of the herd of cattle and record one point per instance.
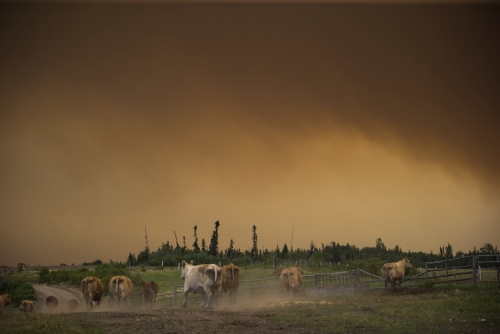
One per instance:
(209, 280)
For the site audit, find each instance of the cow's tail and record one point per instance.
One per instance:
(215, 270)
(117, 281)
(384, 272)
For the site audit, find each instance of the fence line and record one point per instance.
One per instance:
(440, 275)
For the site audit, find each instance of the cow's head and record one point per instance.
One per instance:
(185, 265)
(407, 263)
(6, 298)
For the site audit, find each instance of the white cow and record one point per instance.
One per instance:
(204, 278)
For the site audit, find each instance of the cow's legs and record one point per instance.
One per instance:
(208, 293)
(184, 303)
(202, 298)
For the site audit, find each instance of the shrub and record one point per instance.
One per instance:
(19, 289)
(70, 276)
(74, 276)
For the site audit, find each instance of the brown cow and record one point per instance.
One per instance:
(51, 302)
(73, 305)
(4, 300)
(149, 292)
(291, 279)
(395, 271)
(27, 306)
(92, 291)
(231, 278)
(120, 288)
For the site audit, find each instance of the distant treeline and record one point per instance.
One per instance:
(334, 253)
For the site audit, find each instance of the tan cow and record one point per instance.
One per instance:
(27, 306)
(92, 291)
(203, 278)
(395, 271)
(4, 300)
(231, 278)
(149, 292)
(73, 305)
(120, 288)
(291, 279)
(51, 302)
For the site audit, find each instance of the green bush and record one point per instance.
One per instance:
(70, 276)
(371, 265)
(20, 290)
(74, 276)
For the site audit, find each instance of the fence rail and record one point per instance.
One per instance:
(443, 272)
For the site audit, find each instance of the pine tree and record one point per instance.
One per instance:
(254, 252)
(203, 245)
(214, 241)
(230, 251)
(449, 251)
(196, 248)
(284, 251)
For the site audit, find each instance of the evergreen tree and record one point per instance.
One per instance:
(312, 246)
(131, 260)
(143, 256)
(254, 252)
(196, 248)
(214, 241)
(230, 251)
(203, 245)
(284, 251)
(449, 251)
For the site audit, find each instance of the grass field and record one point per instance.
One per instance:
(456, 308)
(450, 309)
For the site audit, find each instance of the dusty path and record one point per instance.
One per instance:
(62, 295)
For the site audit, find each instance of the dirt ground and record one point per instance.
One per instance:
(182, 321)
(227, 319)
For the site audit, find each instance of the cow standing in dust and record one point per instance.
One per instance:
(204, 278)
(92, 291)
(395, 271)
(27, 306)
(51, 302)
(73, 305)
(149, 292)
(231, 278)
(4, 300)
(291, 279)
(120, 288)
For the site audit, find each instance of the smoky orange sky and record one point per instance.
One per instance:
(344, 122)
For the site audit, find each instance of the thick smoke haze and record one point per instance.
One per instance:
(345, 122)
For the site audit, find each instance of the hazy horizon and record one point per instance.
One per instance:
(345, 122)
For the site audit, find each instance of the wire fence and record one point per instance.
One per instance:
(475, 268)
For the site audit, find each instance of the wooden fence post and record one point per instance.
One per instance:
(473, 270)
(426, 272)
(359, 276)
(174, 304)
